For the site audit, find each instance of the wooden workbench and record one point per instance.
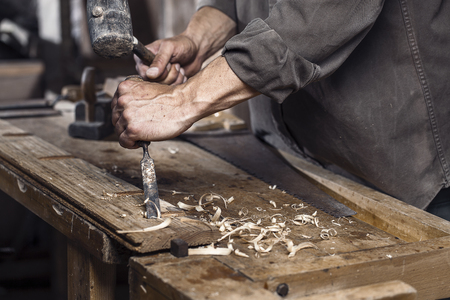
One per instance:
(389, 249)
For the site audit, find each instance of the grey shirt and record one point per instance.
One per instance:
(360, 84)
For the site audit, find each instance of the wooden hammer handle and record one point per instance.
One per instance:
(143, 53)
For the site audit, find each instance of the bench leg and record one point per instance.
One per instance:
(87, 276)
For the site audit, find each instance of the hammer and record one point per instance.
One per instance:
(111, 35)
(111, 31)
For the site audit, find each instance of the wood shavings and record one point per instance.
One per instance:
(217, 214)
(272, 187)
(347, 219)
(123, 215)
(297, 207)
(143, 289)
(209, 250)
(173, 150)
(240, 253)
(294, 249)
(306, 219)
(148, 229)
(335, 223)
(247, 226)
(243, 211)
(185, 206)
(327, 233)
(273, 203)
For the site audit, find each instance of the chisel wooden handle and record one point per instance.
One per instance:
(142, 52)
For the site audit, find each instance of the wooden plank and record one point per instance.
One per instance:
(380, 210)
(392, 290)
(51, 209)
(101, 197)
(423, 265)
(188, 171)
(206, 278)
(88, 277)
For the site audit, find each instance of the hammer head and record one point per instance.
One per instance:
(110, 27)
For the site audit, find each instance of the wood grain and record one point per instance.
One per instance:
(392, 290)
(380, 210)
(92, 192)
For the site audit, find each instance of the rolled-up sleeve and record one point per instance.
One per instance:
(300, 42)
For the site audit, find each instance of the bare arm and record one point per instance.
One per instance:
(152, 112)
(184, 54)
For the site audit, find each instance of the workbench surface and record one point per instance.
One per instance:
(388, 240)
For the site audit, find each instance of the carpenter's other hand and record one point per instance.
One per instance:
(149, 112)
(175, 59)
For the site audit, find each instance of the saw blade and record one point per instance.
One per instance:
(248, 153)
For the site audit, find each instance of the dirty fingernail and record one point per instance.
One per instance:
(182, 71)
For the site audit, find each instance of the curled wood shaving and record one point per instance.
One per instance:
(152, 228)
(185, 206)
(243, 211)
(297, 207)
(273, 203)
(217, 214)
(272, 187)
(173, 150)
(209, 250)
(335, 223)
(293, 249)
(327, 233)
(240, 253)
(247, 226)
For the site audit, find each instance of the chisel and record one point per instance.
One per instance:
(151, 195)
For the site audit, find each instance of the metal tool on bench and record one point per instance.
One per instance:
(93, 114)
(111, 35)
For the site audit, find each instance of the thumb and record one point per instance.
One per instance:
(160, 62)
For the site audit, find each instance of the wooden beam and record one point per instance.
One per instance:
(380, 210)
(88, 277)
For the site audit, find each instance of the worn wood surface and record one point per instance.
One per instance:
(47, 205)
(387, 213)
(361, 254)
(372, 250)
(392, 290)
(108, 202)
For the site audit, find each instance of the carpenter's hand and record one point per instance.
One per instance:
(149, 112)
(175, 59)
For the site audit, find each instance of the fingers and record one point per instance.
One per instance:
(161, 70)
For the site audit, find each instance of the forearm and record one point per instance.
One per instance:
(215, 88)
(209, 29)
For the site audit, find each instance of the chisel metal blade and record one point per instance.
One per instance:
(151, 195)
